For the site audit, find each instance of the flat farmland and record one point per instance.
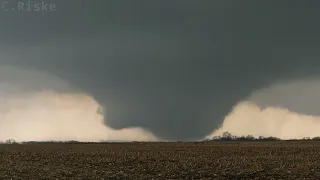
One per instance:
(179, 160)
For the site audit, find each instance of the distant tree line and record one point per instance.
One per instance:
(12, 141)
(226, 136)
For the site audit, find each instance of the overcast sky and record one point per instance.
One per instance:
(173, 67)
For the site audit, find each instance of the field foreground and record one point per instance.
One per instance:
(205, 160)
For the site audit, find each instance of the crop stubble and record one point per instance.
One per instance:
(185, 160)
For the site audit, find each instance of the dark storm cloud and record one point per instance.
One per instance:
(173, 67)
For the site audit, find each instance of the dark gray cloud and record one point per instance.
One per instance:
(300, 96)
(174, 67)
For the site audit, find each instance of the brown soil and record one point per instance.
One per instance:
(205, 160)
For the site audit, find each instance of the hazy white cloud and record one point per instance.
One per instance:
(37, 106)
(55, 116)
(248, 118)
(286, 110)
